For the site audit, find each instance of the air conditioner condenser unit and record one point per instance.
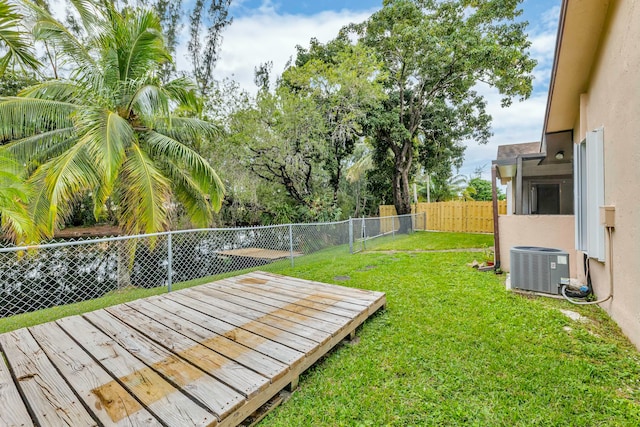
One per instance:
(539, 269)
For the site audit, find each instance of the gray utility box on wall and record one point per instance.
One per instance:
(538, 269)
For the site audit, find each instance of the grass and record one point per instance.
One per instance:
(431, 241)
(454, 348)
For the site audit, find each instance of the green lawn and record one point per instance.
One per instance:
(454, 348)
(430, 241)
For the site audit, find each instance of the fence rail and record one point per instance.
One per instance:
(465, 217)
(37, 277)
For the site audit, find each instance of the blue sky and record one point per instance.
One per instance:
(269, 30)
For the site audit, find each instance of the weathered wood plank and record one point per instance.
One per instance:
(211, 294)
(301, 325)
(51, 400)
(14, 413)
(331, 296)
(112, 405)
(236, 376)
(263, 345)
(281, 287)
(258, 362)
(344, 291)
(159, 396)
(311, 312)
(209, 391)
(284, 337)
(374, 300)
(291, 298)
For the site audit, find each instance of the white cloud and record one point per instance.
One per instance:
(269, 36)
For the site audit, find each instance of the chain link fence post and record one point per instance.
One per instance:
(350, 235)
(364, 233)
(291, 244)
(169, 262)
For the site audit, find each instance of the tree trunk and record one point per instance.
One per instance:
(402, 164)
(401, 193)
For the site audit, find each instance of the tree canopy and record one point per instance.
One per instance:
(435, 54)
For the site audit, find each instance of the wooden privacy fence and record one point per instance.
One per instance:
(466, 217)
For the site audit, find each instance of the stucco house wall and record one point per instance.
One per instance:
(612, 101)
(551, 231)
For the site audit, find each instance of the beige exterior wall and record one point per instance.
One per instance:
(612, 101)
(550, 231)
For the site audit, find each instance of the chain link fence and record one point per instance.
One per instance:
(38, 277)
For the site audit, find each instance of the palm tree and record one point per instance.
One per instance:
(14, 41)
(112, 128)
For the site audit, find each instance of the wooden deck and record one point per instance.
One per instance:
(204, 356)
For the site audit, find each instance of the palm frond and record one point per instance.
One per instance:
(187, 129)
(149, 101)
(106, 136)
(56, 90)
(141, 47)
(146, 194)
(39, 206)
(68, 176)
(92, 16)
(41, 146)
(189, 193)
(49, 29)
(14, 39)
(22, 117)
(199, 168)
(14, 196)
(183, 91)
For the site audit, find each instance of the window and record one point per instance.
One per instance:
(589, 194)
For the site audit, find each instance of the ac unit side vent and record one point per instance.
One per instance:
(538, 269)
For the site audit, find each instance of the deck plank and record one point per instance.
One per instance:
(362, 295)
(373, 300)
(209, 391)
(223, 286)
(280, 294)
(263, 345)
(51, 400)
(158, 396)
(258, 362)
(282, 336)
(14, 413)
(300, 327)
(112, 405)
(315, 294)
(207, 294)
(234, 375)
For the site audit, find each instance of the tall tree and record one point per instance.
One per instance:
(212, 17)
(435, 53)
(283, 137)
(109, 129)
(344, 82)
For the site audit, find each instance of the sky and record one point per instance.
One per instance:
(269, 30)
